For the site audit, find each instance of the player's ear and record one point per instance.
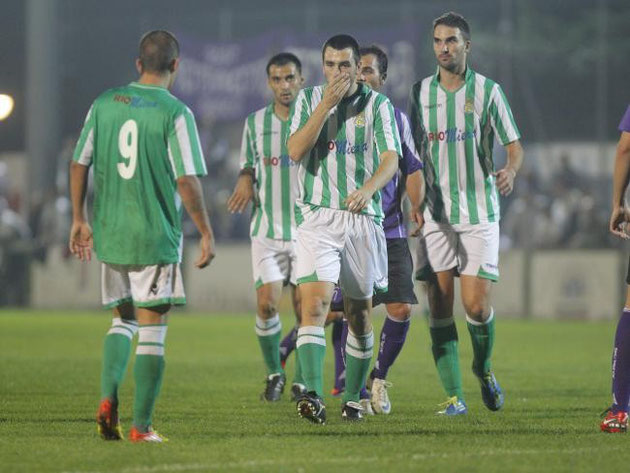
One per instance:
(139, 66)
(174, 65)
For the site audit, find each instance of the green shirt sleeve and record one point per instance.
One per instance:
(502, 119)
(385, 128)
(184, 148)
(84, 149)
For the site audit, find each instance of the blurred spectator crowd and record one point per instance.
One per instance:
(567, 210)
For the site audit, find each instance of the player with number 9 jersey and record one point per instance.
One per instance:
(137, 210)
(143, 146)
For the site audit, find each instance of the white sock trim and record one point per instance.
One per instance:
(360, 346)
(311, 330)
(477, 323)
(311, 334)
(150, 350)
(265, 328)
(398, 321)
(152, 334)
(441, 323)
(128, 328)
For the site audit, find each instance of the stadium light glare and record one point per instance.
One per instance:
(6, 106)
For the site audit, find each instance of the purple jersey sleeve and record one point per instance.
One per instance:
(410, 161)
(625, 121)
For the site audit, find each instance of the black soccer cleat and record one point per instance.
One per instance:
(274, 387)
(311, 407)
(297, 390)
(351, 411)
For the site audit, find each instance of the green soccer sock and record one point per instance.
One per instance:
(311, 349)
(148, 372)
(269, 333)
(359, 350)
(298, 378)
(116, 352)
(482, 337)
(445, 355)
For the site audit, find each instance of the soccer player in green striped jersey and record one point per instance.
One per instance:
(345, 138)
(143, 146)
(455, 116)
(269, 178)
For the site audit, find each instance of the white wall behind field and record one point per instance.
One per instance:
(561, 284)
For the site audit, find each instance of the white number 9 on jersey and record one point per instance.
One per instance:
(128, 147)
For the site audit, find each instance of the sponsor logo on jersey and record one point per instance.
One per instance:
(345, 147)
(452, 135)
(122, 99)
(433, 105)
(283, 161)
(135, 102)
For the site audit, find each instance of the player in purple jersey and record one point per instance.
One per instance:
(617, 416)
(400, 295)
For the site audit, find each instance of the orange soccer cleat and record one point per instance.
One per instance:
(615, 423)
(136, 436)
(107, 422)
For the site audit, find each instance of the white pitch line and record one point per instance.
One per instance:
(178, 467)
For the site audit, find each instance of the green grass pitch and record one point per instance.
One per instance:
(555, 376)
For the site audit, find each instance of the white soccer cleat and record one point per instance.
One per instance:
(367, 407)
(380, 399)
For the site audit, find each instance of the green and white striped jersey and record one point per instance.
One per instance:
(358, 130)
(140, 139)
(454, 132)
(264, 148)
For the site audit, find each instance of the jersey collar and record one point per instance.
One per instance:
(148, 86)
(362, 89)
(468, 75)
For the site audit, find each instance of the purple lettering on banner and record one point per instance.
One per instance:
(226, 80)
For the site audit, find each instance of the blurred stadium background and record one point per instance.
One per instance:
(563, 65)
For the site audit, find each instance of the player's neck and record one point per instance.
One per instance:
(281, 111)
(452, 80)
(155, 80)
(352, 90)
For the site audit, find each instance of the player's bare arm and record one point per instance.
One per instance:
(81, 233)
(189, 189)
(303, 140)
(415, 192)
(621, 176)
(243, 191)
(360, 198)
(505, 177)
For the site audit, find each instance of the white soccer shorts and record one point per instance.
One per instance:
(273, 260)
(142, 285)
(337, 245)
(472, 249)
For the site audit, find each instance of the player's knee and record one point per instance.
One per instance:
(477, 310)
(315, 307)
(400, 312)
(266, 309)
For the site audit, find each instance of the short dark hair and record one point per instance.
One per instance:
(158, 51)
(343, 41)
(282, 59)
(454, 20)
(381, 57)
